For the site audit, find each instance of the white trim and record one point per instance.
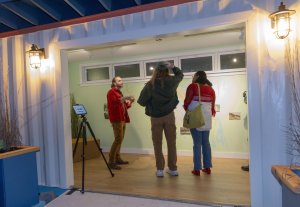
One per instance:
(194, 24)
(216, 71)
(253, 47)
(129, 35)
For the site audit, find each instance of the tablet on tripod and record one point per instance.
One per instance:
(79, 109)
(84, 126)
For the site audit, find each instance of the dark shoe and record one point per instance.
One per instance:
(122, 162)
(196, 172)
(206, 170)
(245, 168)
(114, 166)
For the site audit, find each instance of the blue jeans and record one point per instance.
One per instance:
(201, 143)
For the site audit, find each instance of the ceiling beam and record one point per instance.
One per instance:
(4, 1)
(10, 24)
(77, 7)
(105, 15)
(138, 2)
(22, 10)
(107, 4)
(47, 9)
(11, 20)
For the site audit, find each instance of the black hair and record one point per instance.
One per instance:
(202, 78)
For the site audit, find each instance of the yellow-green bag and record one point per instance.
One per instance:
(194, 119)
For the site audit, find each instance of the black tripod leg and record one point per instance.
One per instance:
(99, 148)
(82, 155)
(74, 150)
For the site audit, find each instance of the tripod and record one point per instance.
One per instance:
(83, 125)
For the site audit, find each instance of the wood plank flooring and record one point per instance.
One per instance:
(227, 185)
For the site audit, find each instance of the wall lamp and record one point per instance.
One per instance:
(280, 21)
(35, 56)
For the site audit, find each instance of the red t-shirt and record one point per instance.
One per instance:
(207, 95)
(117, 110)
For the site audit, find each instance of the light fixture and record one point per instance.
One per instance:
(35, 56)
(280, 21)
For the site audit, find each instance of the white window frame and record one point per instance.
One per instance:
(216, 66)
(196, 56)
(175, 59)
(219, 70)
(129, 63)
(83, 74)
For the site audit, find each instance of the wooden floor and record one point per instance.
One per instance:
(227, 185)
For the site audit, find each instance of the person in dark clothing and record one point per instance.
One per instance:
(159, 96)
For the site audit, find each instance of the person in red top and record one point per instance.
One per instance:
(117, 106)
(201, 135)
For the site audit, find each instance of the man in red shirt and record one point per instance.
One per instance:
(117, 106)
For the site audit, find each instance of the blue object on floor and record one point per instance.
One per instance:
(297, 172)
(48, 194)
(57, 191)
(40, 204)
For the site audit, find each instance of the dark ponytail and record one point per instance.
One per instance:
(202, 78)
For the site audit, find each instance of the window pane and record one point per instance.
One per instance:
(151, 65)
(93, 74)
(196, 64)
(128, 71)
(232, 61)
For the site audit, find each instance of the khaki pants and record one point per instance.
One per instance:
(166, 124)
(119, 131)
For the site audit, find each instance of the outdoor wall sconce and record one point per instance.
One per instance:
(280, 21)
(35, 56)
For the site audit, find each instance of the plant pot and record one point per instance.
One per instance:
(289, 180)
(18, 177)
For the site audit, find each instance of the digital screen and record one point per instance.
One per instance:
(79, 109)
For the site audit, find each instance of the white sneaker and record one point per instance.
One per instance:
(172, 172)
(160, 173)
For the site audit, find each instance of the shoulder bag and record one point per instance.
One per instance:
(194, 118)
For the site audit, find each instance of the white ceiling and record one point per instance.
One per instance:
(208, 38)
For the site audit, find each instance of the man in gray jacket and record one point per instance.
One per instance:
(159, 96)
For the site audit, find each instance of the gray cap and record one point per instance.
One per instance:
(163, 65)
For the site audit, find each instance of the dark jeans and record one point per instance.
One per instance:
(201, 146)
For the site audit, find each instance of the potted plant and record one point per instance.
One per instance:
(289, 176)
(17, 162)
(293, 130)
(10, 138)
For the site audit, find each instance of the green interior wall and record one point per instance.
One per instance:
(227, 136)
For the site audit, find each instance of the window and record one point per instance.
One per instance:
(150, 66)
(128, 70)
(95, 73)
(212, 62)
(232, 61)
(193, 64)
